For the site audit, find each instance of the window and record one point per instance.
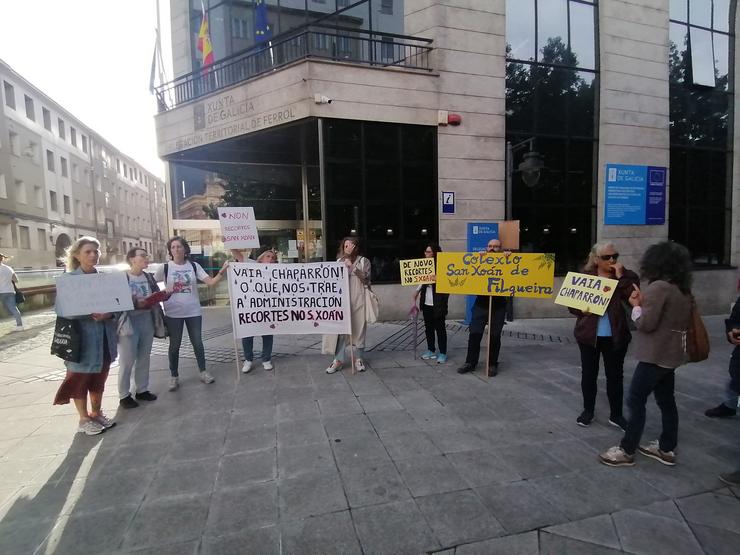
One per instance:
(386, 49)
(78, 209)
(700, 134)
(3, 187)
(239, 28)
(65, 169)
(62, 132)
(47, 118)
(30, 110)
(107, 199)
(550, 108)
(6, 236)
(73, 135)
(67, 205)
(50, 160)
(20, 192)
(75, 172)
(118, 166)
(41, 238)
(125, 170)
(24, 234)
(386, 6)
(38, 194)
(15, 147)
(53, 203)
(84, 144)
(9, 95)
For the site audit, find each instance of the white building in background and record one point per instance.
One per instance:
(60, 180)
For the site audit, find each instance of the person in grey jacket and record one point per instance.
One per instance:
(661, 314)
(87, 377)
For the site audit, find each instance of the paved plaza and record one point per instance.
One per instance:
(408, 457)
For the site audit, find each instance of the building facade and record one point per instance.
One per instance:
(60, 180)
(339, 125)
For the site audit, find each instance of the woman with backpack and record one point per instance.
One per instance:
(182, 309)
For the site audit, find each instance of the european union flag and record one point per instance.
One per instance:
(262, 29)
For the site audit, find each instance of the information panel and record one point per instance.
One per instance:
(634, 195)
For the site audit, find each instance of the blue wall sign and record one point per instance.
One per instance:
(634, 195)
(479, 233)
(448, 202)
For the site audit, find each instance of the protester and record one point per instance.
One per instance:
(136, 333)
(607, 336)
(728, 407)
(478, 322)
(434, 309)
(86, 378)
(661, 314)
(7, 292)
(181, 277)
(359, 278)
(265, 256)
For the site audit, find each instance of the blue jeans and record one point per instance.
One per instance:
(134, 353)
(174, 327)
(651, 378)
(340, 353)
(8, 300)
(248, 346)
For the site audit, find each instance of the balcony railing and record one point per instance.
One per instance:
(340, 44)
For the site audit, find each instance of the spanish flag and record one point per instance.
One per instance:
(204, 41)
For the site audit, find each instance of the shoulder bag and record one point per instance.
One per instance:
(697, 338)
(20, 298)
(160, 327)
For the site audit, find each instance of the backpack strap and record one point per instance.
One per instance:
(166, 267)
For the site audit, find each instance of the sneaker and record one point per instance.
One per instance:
(616, 456)
(334, 366)
(103, 420)
(441, 358)
(731, 479)
(128, 402)
(585, 419)
(267, 365)
(359, 365)
(618, 422)
(205, 377)
(247, 367)
(146, 396)
(467, 367)
(174, 383)
(721, 411)
(90, 428)
(653, 451)
(428, 355)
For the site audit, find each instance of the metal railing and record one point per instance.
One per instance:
(341, 44)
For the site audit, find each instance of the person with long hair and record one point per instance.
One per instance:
(606, 336)
(266, 256)
(433, 307)
(136, 333)
(661, 314)
(86, 378)
(359, 278)
(181, 276)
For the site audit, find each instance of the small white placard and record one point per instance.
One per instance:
(83, 294)
(239, 228)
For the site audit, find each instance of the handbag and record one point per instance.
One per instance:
(67, 340)
(160, 326)
(372, 306)
(697, 338)
(20, 298)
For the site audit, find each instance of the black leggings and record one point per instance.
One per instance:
(431, 325)
(613, 368)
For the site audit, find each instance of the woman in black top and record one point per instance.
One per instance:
(433, 306)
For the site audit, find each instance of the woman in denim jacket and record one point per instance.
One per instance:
(86, 378)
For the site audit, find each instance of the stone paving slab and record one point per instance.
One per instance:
(406, 457)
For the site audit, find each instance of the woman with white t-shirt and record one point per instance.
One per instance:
(181, 277)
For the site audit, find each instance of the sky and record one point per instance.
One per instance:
(93, 57)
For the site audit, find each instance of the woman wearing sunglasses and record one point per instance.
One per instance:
(605, 336)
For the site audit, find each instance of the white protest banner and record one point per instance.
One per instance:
(269, 299)
(82, 294)
(239, 228)
(586, 292)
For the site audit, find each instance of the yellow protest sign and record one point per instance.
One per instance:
(416, 271)
(498, 274)
(586, 292)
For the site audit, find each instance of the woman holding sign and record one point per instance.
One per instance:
(86, 378)
(359, 278)
(606, 336)
(266, 256)
(434, 308)
(182, 309)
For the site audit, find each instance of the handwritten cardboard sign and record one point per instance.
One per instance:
(269, 299)
(238, 227)
(497, 274)
(83, 294)
(416, 271)
(587, 293)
